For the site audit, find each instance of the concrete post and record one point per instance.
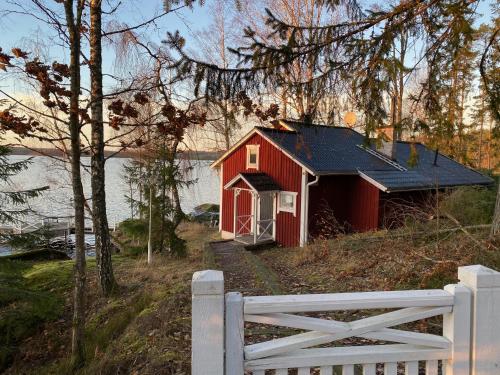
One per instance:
(485, 324)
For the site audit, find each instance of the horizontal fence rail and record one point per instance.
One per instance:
(386, 346)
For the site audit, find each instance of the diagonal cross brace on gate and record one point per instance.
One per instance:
(469, 344)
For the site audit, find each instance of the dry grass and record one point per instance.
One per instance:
(379, 261)
(143, 329)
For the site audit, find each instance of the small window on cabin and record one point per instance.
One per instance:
(253, 156)
(287, 202)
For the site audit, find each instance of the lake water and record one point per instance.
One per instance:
(57, 201)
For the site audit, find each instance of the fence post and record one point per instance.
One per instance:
(235, 334)
(456, 328)
(207, 326)
(485, 344)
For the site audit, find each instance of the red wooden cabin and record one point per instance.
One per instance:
(280, 185)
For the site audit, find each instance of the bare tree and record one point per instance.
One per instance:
(101, 227)
(296, 91)
(74, 24)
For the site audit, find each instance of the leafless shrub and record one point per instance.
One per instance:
(409, 212)
(327, 223)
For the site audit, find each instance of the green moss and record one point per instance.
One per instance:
(30, 294)
(112, 322)
(54, 276)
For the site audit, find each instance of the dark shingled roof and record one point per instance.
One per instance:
(338, 150)
(260, 181)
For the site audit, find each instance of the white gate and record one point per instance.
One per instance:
(468, 345)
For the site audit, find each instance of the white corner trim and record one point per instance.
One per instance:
(239, 176)
(221, 195)
(303, 203)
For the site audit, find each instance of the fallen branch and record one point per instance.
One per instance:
(464, 229)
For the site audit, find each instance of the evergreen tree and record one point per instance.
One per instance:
(358, 49)
(14, 204)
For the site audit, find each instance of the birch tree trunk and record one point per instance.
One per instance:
(73, 24)
(101, 227)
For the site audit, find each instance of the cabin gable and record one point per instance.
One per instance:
(272, 161)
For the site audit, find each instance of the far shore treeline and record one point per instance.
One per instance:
(38, 151)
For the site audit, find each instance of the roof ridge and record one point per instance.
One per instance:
(310, 126)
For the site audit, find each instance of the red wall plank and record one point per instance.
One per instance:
(282, 169)
(364, 210)
(353, 201)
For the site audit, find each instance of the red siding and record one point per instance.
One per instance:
(364, 209)
(353, 201)
(282, 169)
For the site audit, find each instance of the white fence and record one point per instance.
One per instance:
(469, 344)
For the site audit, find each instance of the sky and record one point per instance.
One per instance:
(25, 31)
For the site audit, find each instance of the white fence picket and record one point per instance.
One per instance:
(369, 369)
(390, 368)
(348, 370)
(326, 370)
(431, 368)
(411, 368)
(235, 336)
(348, 355)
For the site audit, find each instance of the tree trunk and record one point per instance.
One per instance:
(495, 225)
(101, 227)
(163, 194)
(77, 344)
(150, 230)
(481, 129)
(176, 201)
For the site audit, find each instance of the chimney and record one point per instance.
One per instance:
(386, 144)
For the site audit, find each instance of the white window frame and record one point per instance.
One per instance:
(292, 210)
(255, 149)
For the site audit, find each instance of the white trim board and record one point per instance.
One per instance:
(372, 181)
(221, 196)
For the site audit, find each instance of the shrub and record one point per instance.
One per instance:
(134, 228)
(470, 205)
